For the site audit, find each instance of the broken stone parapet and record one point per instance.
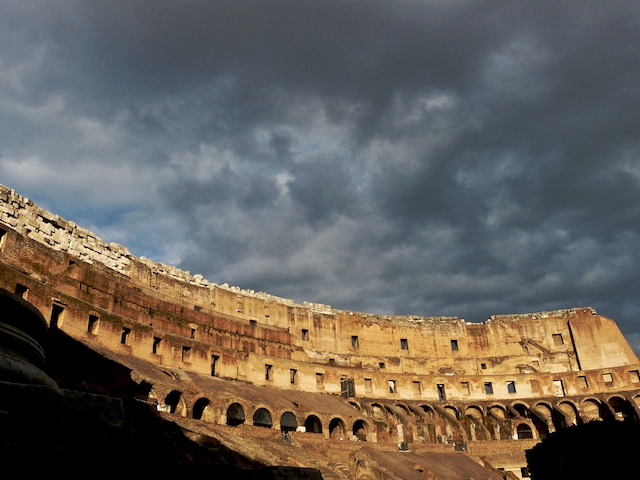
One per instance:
(24, 216)
(568, 312)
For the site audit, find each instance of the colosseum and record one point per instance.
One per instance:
(304, 390)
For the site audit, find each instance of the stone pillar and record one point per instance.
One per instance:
(23, 333)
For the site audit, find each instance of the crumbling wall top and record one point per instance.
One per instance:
(568, 312)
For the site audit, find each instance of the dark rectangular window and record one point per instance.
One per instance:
(193, 333)
(268, 372)
(305, 334)
(488, 388)
(56, 316)
(511, 387)
(293, 375)
(442, 396)
(156, 344)
(347, 386)
(354, 341)
(404, 344)
(454, 345)
(92, 325)
(252, 323)
(381, 365)
(214, 365)
(124, 337)
(186, 354)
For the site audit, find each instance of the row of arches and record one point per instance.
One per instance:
(288, 422)
(430, 423)
(236, 414)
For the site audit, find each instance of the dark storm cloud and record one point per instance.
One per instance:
(410, 157)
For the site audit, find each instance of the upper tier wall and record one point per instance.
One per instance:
(562, 340)
(27, 218)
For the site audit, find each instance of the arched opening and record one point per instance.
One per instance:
(542, 419)
(623, 410)
(524, 432)
(452, 411)
(498, 412)
(235, 415)
(203, 410)
(313, 424)
(176, 404)
(378, 412)
(570, 413)
(474, 412)
(336, 429)
(288, 422)
(428, 411)
(416, 413)
(262, 418)
(497, 424)
(404, 409)
(591, 411)
(361, 430)
(473, 423)
(522, 410)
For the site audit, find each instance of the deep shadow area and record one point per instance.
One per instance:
(593, 450)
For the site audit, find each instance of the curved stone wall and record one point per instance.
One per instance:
(388, 379)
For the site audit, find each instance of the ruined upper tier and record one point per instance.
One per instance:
(100, 292)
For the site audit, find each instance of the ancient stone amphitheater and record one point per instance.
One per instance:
(264, 385)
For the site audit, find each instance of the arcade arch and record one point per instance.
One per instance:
(337, 429)
(452, 411)
(378, 412)
(498, 412)
(235, 415)
(361, 430)
(623, 411)
(428, 411)
(262, 418)
(176, 403)
(313, 424)
(524, 432)
(522, 410)
(203, 410)
(570, 413)
(288, 422)
(474, 412)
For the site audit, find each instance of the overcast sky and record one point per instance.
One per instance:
(455, 158)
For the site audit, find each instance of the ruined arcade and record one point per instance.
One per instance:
(251, 368)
